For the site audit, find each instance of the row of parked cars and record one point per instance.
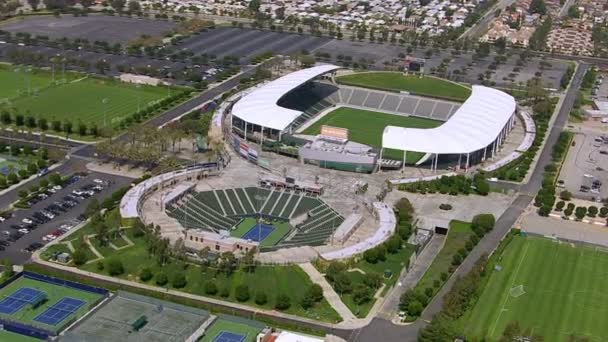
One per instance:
(51, 211)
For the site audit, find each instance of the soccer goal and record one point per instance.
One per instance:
(517, 291)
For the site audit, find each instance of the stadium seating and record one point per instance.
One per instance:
(223, 208)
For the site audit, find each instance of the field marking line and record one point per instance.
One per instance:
(79, 79)
(512, 282)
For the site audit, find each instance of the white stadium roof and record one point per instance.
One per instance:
(475, 125)
(260, 106)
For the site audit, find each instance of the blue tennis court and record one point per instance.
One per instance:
(226, 336)
(20, 298)
(258, 232)
(59, 311)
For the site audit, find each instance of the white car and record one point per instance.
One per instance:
(66, 226)
(49, 237)
(27, 221)
(98, 181)
(2, 219)
(57, 187)
(24, 230)
(6, 232)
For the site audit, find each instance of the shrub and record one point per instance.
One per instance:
(261, 298)
(282, 302)
(559, 206)
(592, 211)
(443, 276)
(241, 293)
(456, 259)
(179, 280)
(210, 288)
(79, 257)
(580, 213)
(484, 221)
(145, 274)
(225, 292)
(565, 195)
(161, 278)
(115, 267)
(603, 212)
(414, 308)
(445, 206)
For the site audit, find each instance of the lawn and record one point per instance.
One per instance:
(222, 325)
(14, 81)
(563, 292)
(55, 249)
(14, 337)
(396, 81)
(366, 127)
(458, 234)
(272, 280)
(54, 293)
(89, 100)
(280, 230)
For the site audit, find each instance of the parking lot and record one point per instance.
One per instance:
(65, 206)
(585, 169)
(93, 27)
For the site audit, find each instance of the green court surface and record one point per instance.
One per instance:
(222, 325)
(396, 81)
(7, 336)
(366, 127)
(89, 100)
(281, 228)
(553, 289)
(54, 293)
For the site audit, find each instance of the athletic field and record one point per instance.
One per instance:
(88, 99)
(552, 288)
(54, 294)
(396, 81)
(226, 331)
(16, 80)
(247, 229)
(366, 127)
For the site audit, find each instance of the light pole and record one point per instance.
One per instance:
(104, 101)
(138, 86)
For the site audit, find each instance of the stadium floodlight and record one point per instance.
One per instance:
(105, 101)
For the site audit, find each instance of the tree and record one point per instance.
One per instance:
(241, 293)
(414, 308)
(580, 212)
(179, 280)
(282, 302)
(538, 6)
(102, 65)
(161, 278)
(342, 283)
(92, 208)
(79, 256)
(115, 267)
(118, 5)
(227, 263)
(145, 274)
(7, 267)
(87, 3)
(210, 288)
(67, 128)
(134, 6)
(82, 128)
(261, 298)
(56, 125)
(254, 6)
(361, 294)
(373, 280)
(565, 195)
(55, 178)
(43, 124)
(34, 4)
(484, 221)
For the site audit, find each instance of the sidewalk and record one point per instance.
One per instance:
(332, 297)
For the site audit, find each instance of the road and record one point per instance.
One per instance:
(390, 332)
(481, 26)
(564, 10)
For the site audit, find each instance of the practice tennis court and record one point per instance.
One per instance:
(59, 311)
(258, 232)
(226, 336)
(20, 298)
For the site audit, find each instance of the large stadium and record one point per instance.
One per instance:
(272, 191)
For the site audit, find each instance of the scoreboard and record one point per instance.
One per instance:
(413, 64)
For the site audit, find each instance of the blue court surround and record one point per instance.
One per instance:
(225, 336)
(59, 311)
(258, 232)
(18, 299)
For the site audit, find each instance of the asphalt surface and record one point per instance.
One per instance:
(478, 29)
(15, 253)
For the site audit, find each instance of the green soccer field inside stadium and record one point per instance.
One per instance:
(366, 127)
(54, 293)
(564, 292)
(396, 81)
(222, 325)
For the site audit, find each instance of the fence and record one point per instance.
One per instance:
(23, 329)
(61, 282)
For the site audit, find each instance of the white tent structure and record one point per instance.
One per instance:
(260, 108)
(482, 121)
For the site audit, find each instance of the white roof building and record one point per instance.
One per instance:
(260, 106)
(474, 126)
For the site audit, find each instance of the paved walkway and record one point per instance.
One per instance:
(409, 279)
(564, 229)
(332, 297)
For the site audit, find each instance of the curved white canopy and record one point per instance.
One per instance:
(260, 106)
(475, 125)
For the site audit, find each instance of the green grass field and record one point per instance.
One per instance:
(223, 325)
(272, 280)
(366, 127)
(396, 81)
(13, 337)
(83, 100)
(14, 81)
(564, 292)
(54, 293)
(280, 230)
